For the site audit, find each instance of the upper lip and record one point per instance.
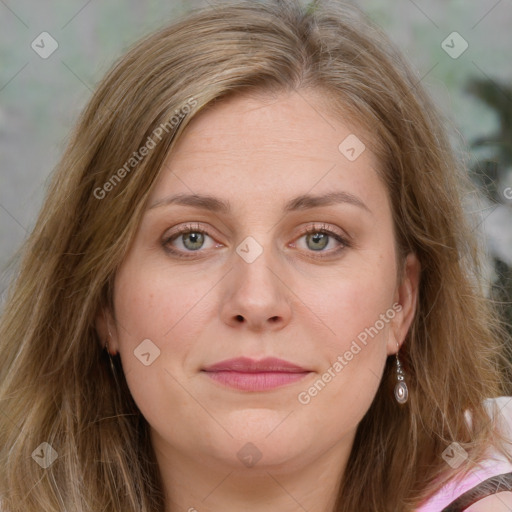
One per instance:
(247, 365)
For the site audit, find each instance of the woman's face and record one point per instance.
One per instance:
(245, 280)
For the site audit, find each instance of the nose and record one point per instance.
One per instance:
(256, 296)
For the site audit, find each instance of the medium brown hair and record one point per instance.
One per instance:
(55, 382)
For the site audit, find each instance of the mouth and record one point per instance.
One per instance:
(251, 375)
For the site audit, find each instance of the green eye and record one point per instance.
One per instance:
(196, 240)
(193, 239)
(317, 239)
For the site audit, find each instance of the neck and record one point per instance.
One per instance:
(306, 482)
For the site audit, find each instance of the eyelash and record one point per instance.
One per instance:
(311, 230)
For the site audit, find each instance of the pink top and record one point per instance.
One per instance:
(495, 463)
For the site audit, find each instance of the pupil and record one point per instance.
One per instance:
(317, 237)
(193, 237)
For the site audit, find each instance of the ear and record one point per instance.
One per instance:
(405, 303)
(105, 327)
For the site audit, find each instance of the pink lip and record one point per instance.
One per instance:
(251, 375)
(247, 365)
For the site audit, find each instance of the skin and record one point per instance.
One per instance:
(257, 153)
(500, 502)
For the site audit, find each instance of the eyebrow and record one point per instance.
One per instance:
(302, 202)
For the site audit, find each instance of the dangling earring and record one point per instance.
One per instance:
(401, 391)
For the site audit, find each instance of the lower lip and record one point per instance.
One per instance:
(260, 381)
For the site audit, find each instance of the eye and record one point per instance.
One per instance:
(191, 237)
(317, 238)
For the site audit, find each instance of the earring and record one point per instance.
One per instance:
(401, 391)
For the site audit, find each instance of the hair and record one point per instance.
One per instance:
(56, 384)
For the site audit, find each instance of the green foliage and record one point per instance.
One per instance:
(489, 172)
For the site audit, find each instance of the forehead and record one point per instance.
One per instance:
(282, 143)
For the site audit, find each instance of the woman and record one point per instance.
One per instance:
(252, 287)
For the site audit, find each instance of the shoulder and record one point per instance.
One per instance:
(499, 502)
(490, 479)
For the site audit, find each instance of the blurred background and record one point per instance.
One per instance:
(53, 53)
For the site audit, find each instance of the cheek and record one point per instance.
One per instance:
(353, 358)
(355, 301)
(152, 301)
(356, 312)
(151, 312)
(163, 306)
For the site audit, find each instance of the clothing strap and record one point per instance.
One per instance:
(493, 485)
